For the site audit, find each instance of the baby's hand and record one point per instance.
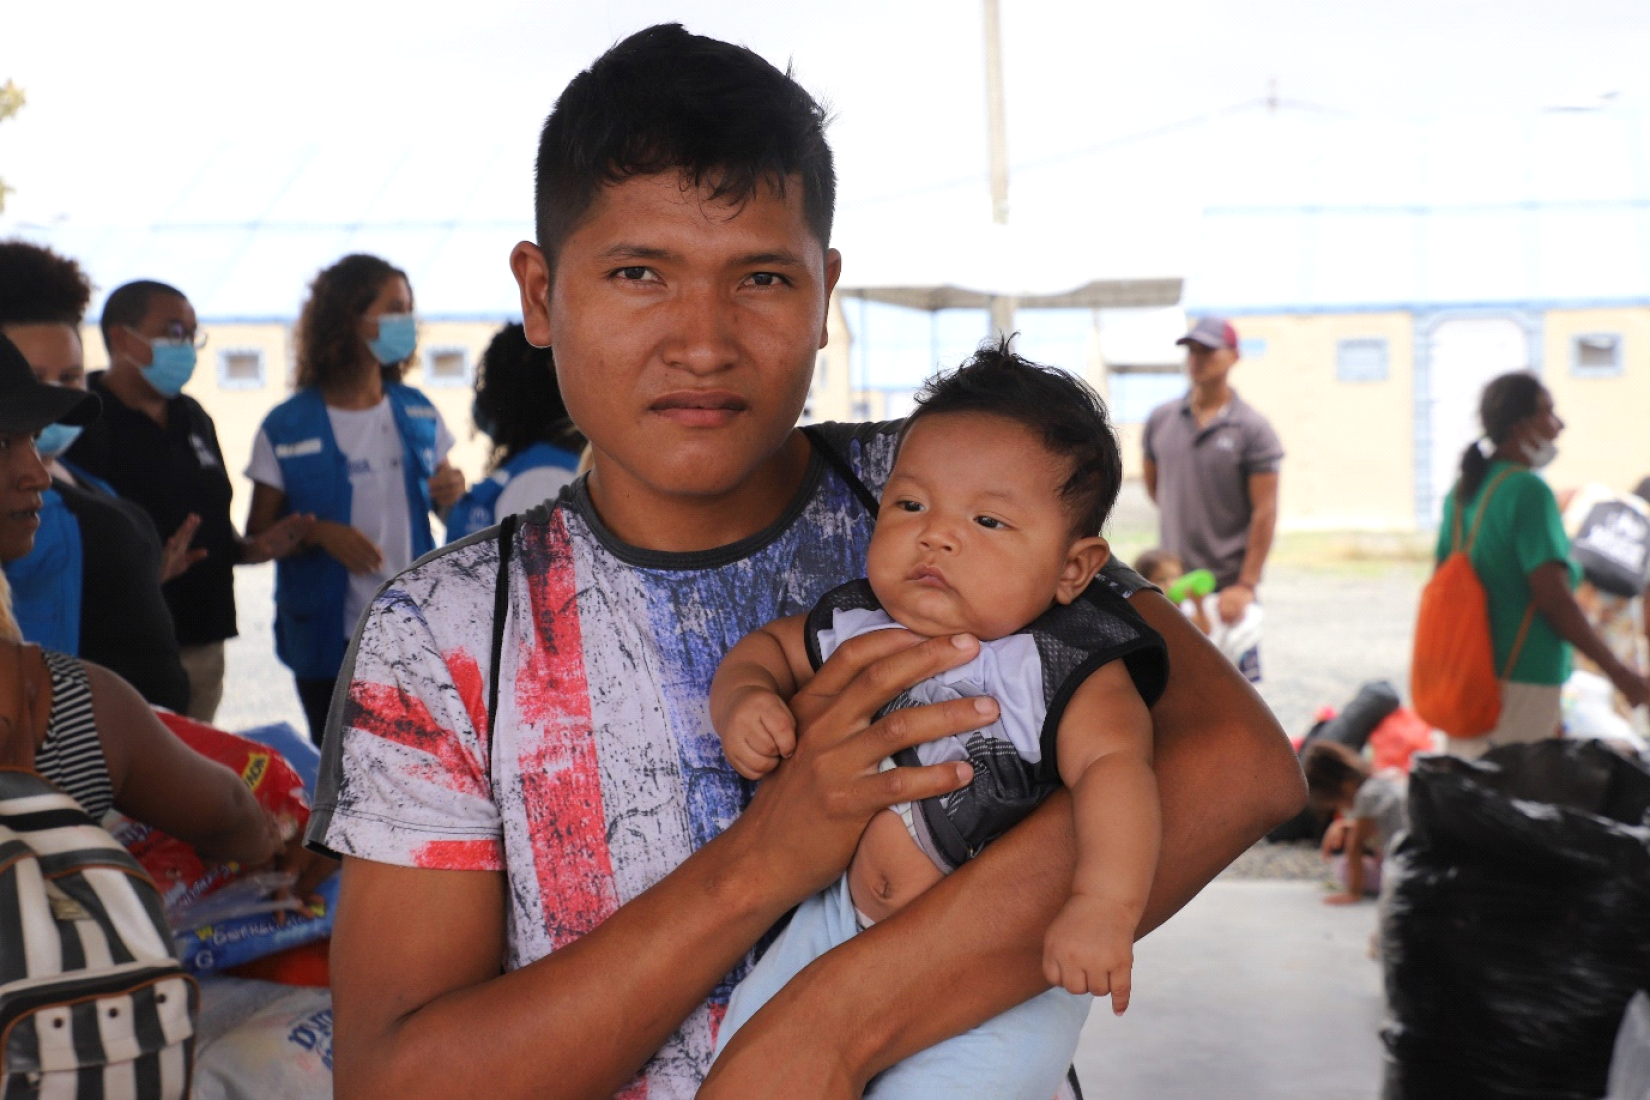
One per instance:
(761, 732)
(1090, 949)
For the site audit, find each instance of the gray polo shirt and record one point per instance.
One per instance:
(1203, 480)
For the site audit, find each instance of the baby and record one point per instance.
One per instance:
(989, 526)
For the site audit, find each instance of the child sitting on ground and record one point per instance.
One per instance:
(1185, 590)
(989, 526)
(1371, 806)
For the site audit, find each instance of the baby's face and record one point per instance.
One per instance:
(972, 535)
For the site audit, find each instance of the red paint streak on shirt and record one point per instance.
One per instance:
(560, 775)
(472, 688)
(385, 710)
(460, 855)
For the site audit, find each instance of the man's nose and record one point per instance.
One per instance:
(702, 330)
(33, 475)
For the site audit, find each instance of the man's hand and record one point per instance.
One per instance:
(446, 486)
(278, 540)
(761, 732)
(813, 807)
(1090, 949)
(1234, 601)
(353, 550)
(175, 555)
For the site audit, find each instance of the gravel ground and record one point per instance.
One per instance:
(1333, 622)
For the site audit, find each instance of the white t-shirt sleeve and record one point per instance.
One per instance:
(530, 487)
(262, 467)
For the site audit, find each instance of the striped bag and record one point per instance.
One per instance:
(92, 1003)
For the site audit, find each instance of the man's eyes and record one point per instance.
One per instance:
(634, 274)
(769, 278)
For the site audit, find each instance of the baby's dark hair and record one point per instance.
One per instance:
(1151, 563)
(1329, 767)
(1068, 416)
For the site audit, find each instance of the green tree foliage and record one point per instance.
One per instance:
(11, 101)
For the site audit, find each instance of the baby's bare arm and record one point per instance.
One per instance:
(1105, 758)
(750, 693)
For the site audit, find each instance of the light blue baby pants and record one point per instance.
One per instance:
(1022, 1054)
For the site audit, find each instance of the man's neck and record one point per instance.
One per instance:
(131, 390)
(1208, 398)
(676, 524)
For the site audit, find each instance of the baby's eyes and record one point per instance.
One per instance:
(908, 506)
(990, 522)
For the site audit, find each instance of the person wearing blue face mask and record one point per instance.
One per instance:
(91, 584)
(363, 452)
(157, 447)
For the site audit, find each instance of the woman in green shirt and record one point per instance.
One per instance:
(1521, 555)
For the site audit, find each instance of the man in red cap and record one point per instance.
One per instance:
(1212, 469)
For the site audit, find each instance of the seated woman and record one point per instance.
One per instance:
(535, 445)
(87, 730)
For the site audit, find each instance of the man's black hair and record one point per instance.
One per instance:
(128, 304)
(666, 100)
(1068, 416)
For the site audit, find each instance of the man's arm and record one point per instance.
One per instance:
(971, 947)
(421, 1004)
(1263, 522)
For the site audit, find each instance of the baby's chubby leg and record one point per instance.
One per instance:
(820, 923)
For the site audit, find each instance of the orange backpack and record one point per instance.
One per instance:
(1452, 678)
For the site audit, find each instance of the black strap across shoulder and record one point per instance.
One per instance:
(501, 610)
(844, 470)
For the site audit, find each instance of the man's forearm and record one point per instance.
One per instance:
(580, 1022)
(1262, 526)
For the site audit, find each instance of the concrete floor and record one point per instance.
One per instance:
(1255, 991)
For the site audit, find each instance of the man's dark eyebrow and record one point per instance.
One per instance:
(637, 252)
(782, 257)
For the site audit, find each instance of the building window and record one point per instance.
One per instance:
(1361, 360)
(241, 369)
(1596, 355)
(447, 367)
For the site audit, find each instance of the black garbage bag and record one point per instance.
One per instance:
(1515, 923)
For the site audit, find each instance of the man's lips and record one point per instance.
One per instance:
(700, 408)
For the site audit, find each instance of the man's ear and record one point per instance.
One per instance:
(833, 272)
(1085, 558)
(532, 273)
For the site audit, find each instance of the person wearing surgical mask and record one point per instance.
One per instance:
(362, 452)
(158, 448)
(1510, 520)
(90, 585)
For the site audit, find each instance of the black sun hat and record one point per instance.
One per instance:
(28, 406)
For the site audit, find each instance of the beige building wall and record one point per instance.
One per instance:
(830, 396)
(1349, 445)
(1607, 436)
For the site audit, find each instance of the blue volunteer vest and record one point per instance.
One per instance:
(45, 583)
(310, 585)
(475, 510)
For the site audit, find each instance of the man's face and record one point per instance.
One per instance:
(684, 331)
(168, 317)
(1205, 364)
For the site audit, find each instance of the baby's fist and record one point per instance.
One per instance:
(761, 732)
(1090, 949)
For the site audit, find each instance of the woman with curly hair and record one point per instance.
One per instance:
(535, 446)
(90, 583)
(362, 452)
